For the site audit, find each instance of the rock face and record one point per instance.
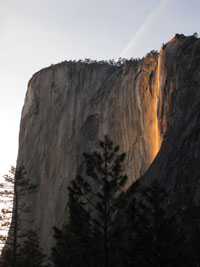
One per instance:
(177, 165)
(69, 106)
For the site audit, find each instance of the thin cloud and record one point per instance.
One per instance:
(144, 28)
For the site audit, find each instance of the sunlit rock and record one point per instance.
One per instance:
(71, 105)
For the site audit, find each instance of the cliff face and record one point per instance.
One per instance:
(178, 162)
(69, 106)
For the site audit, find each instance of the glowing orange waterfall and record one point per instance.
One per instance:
(156, 133)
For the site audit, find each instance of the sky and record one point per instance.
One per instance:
(37, 33)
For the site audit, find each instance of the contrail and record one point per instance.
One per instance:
(148, 21)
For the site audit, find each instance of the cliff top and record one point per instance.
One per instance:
(112, 62)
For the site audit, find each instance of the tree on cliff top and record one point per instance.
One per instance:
(94, 199)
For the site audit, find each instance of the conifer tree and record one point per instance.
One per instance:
(157, 238)
(30, 253)
(16, 185)
(95, 198)
(73, 242)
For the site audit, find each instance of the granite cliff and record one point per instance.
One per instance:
(146, 106)
(177, 164)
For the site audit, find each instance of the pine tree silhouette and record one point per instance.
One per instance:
(93, 207)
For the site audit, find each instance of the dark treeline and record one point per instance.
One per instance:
(105, 228)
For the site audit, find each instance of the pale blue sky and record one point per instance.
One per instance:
(36, 33)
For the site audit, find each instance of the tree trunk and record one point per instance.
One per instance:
(106, 252)
(15, 207)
